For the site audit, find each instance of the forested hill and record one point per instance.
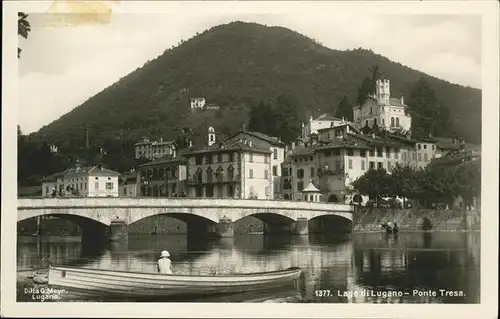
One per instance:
(237, 65)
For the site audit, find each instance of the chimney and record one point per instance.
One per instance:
(373, 135)
(347, 128)
(402, 100)
(250, 143)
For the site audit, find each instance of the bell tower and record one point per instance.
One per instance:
(211, 136)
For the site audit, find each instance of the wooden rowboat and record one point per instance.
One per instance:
(110, 283)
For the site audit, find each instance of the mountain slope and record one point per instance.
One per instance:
(233, 66)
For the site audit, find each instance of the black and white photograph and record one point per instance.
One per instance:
(281, 153)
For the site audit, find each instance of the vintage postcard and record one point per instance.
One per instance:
(316, 159)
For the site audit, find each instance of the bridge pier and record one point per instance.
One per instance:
(118, 230)
(225, 228)
(301, 226)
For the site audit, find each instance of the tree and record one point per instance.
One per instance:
(287, 119)
(374, 183)
(23, 28)
(344, 110)
(402, 182)
(364, 91)
(428, 116)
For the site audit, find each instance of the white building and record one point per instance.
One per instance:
(92, 181)
(323, 121)
(383, 110)
(153, 149)
(197, 103)
(233, 169)
(277, 148)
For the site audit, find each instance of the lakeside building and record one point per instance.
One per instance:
(127, 185)
(163, 177)
(235, 168)
(382, 110)
(151, 150)
(90, 181)
(341, 154)
(278, 155)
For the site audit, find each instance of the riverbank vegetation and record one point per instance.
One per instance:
(438, 182)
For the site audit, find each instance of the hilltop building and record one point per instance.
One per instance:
(197, 103)
(91, 181)
(153, 149)
(382, 110)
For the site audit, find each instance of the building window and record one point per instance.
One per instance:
(219, 158)
(209, 175)
(350, 152)
(362, 153)
(337, 165)
(432, 147)
(372, 165)
(209, 191)
(374, 122)
(208, 159)
(396, 153)
(251, 157)
(392, 122)
(388, 152)
(350, 163)
(300, 186)
(397, 121)
(250, 173)
(372, 152)
(266, 192)
(266, 174)
(199, 160)
(379, 152)
(380, 165)
(425, 146)
(300, 173)
(426, 159)
(366, 123)
(371, 110)
(275, 151)
(312, 172)
(383, 122)
(275, 170)
(419, 146)
(96, 185)
(362, 165)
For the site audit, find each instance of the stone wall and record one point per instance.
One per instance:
(370, 219)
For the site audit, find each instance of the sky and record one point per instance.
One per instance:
(61, 67)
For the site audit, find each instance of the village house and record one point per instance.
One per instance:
(163, 177)
(276, 146)
(88, 181)
(153, 149)
(128, 186)
(235, 168)
(323, 121)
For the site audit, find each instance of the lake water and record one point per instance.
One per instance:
(355, 268)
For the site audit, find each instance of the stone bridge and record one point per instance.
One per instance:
(112, 215)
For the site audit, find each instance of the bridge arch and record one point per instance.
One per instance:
(330, 223)
(92, 229)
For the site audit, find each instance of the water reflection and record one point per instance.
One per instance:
(342, 264)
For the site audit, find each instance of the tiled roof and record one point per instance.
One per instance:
(350, 124)
(345, 142)
(270, 139)
(55, 176)
(327, 117)
(395, 101)
(166, 159)
(234, 145)
(90, 171)
(377, 141)
(446, 143)
(298, 151)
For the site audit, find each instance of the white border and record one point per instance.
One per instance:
(489, 10)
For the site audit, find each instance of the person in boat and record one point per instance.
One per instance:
(164, 263)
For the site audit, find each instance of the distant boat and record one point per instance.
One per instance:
(138, 285)
(390, 228)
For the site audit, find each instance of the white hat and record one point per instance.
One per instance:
(165, 254)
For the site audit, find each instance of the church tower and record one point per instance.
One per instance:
(211, 136)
